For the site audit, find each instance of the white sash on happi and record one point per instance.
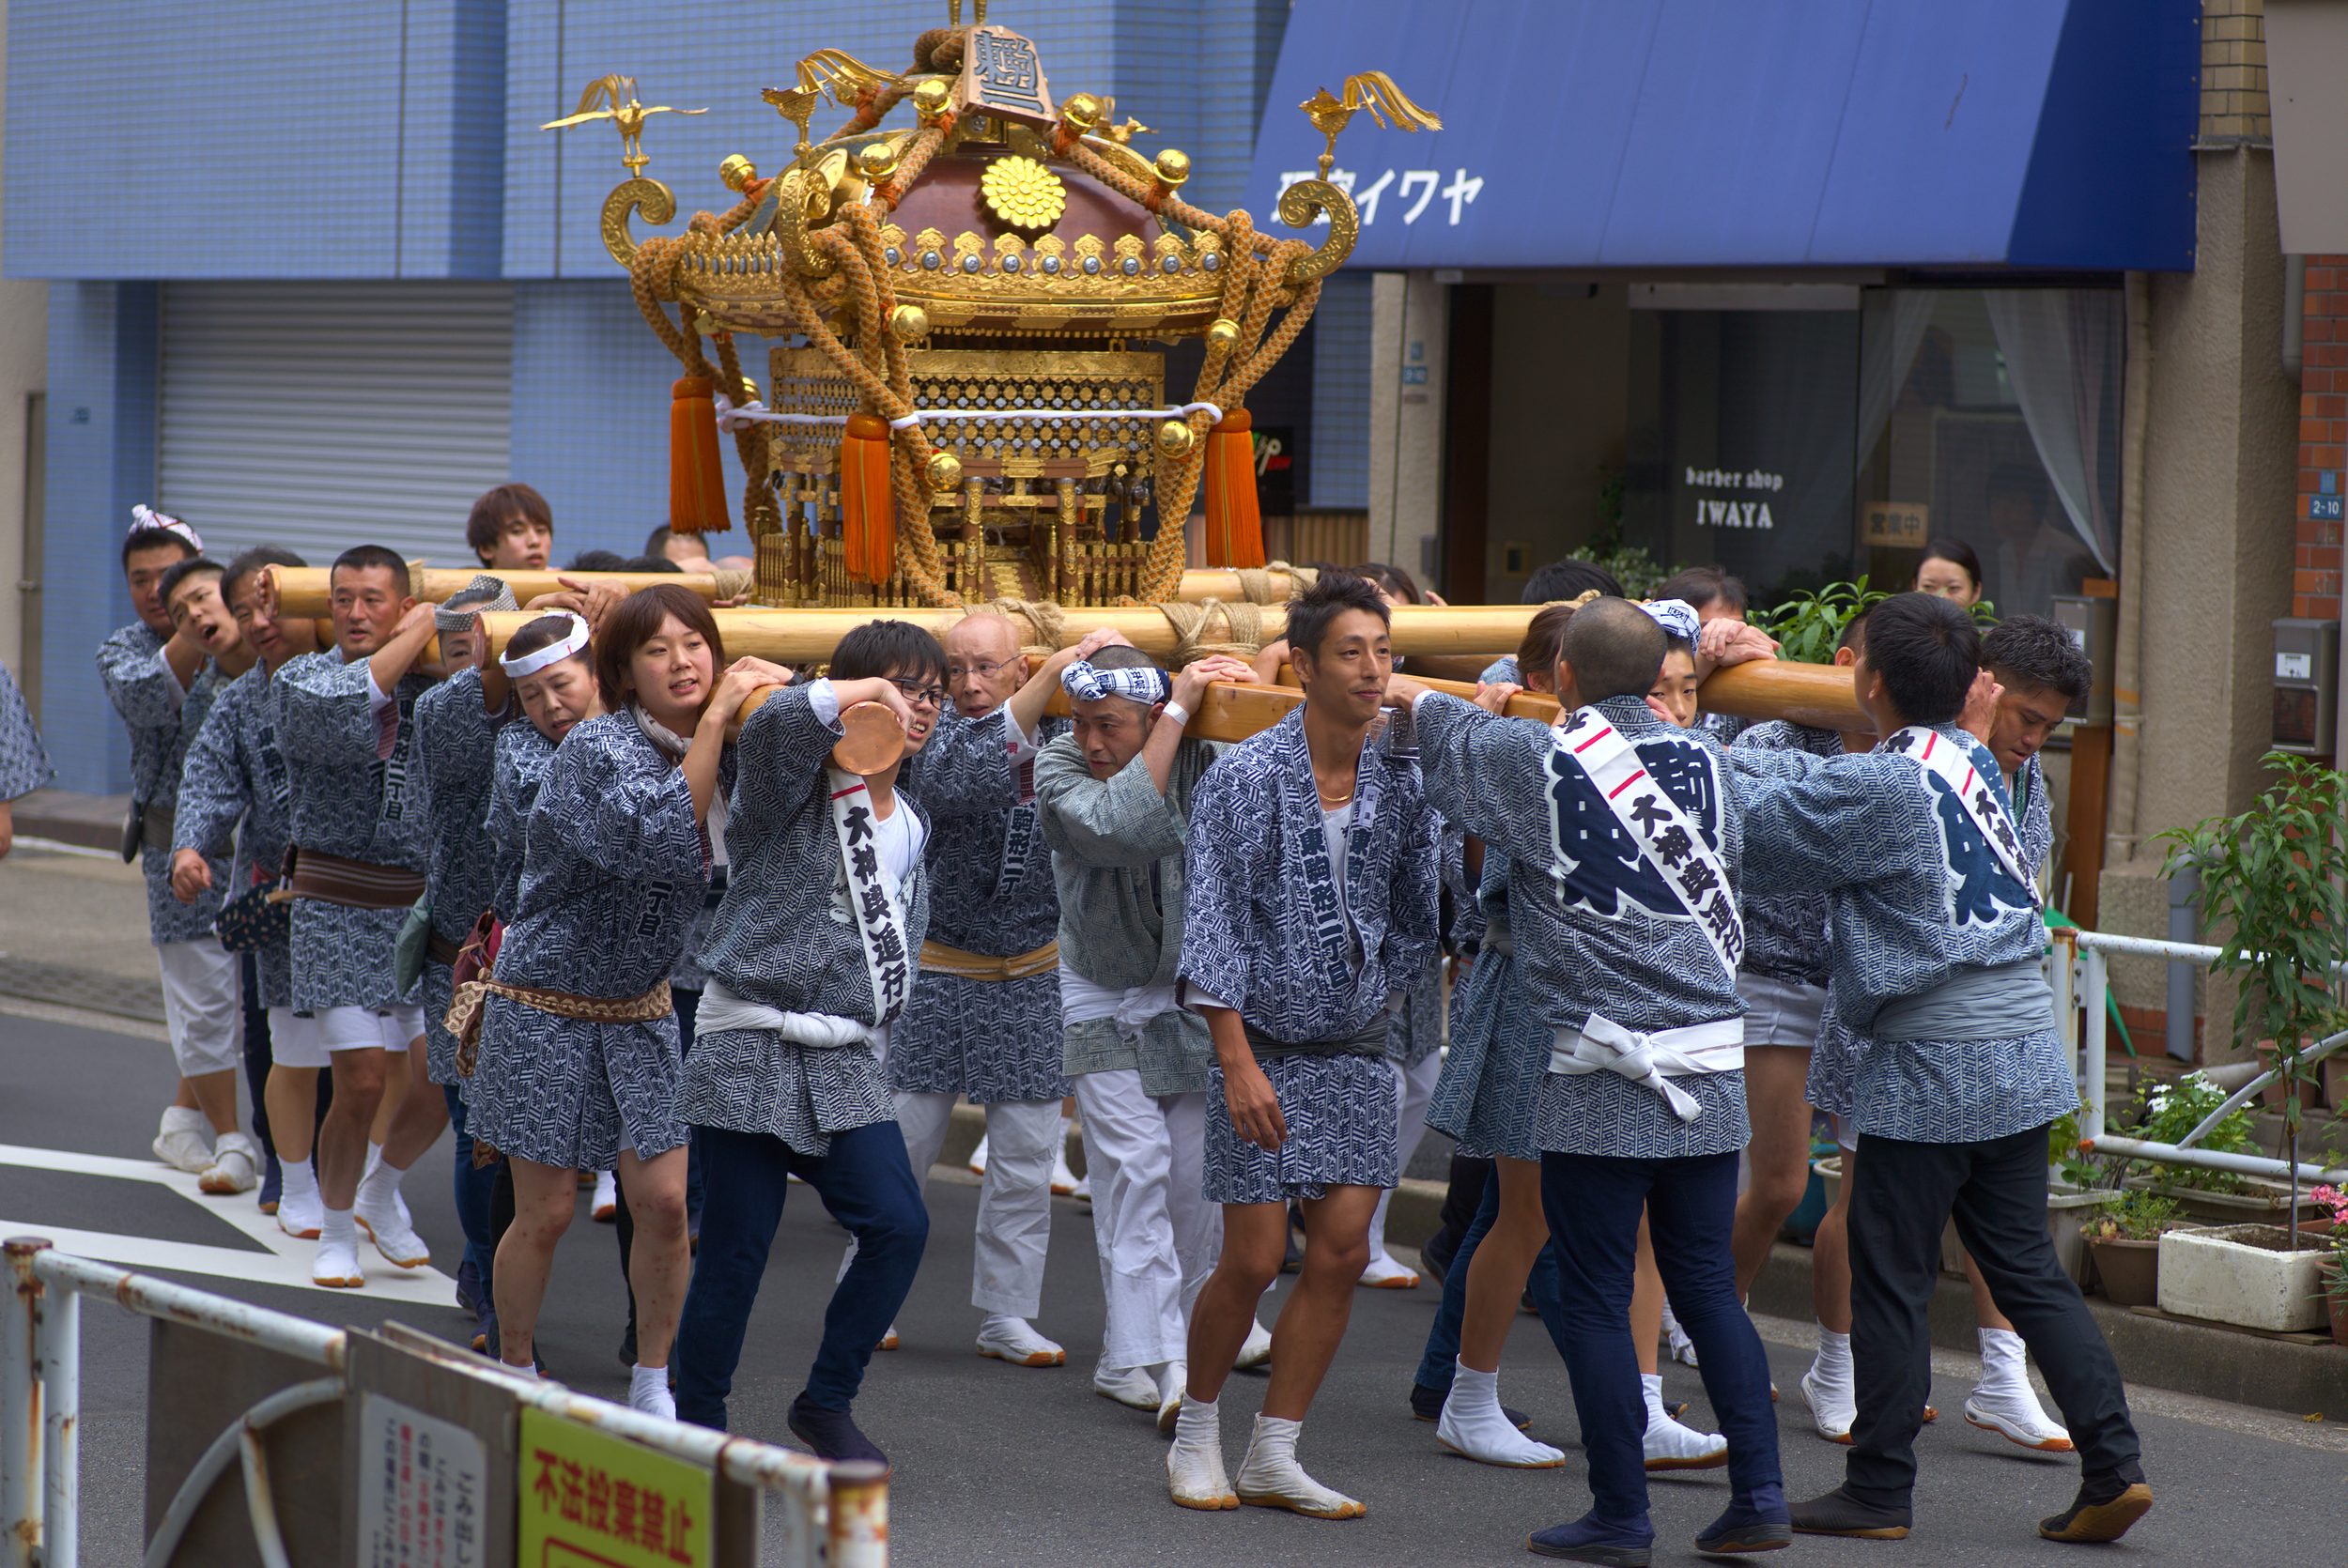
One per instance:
(1947, 761)
(1651, 817)
(879, 922)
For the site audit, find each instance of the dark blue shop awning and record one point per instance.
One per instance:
(1656, 134)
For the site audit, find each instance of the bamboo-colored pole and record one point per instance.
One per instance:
(796, 636)
(302, 590)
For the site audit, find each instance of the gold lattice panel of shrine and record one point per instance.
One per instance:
(805, 381)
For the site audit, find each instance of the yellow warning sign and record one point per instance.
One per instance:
(588, 1500)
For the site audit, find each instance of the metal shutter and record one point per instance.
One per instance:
(322, 415)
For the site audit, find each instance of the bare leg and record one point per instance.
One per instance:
(292, 1096)
(1502, 1260)
(1984, 1304)
(215, 1094)
(1255, 1236)
(1646, 1305)
(184, 1098)
(414, 1124)
(544, 1198)
(341, 1152)
(654, 1194)
(1829, 1257)
(1305, 1338)
(1779, 1154)
(395, 1091)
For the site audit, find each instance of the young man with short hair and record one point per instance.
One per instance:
(689, 551)
(191, 594)
(1313, 893)
(1114, 795)
(511, 529)
(150, 671)
(1936, 939)
(233, 798)
(362, 846)
(1623, 840)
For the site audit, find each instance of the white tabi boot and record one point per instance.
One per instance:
(1473, 1426)
(1672, 1445)
(2005, 1403)
(1269, 1477)
(1194, 1466)
(1826, 1388)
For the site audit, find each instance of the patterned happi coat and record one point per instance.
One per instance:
(234, 784)
(614, 867)
(785, 936)
(1918, 894)
(517, 771)
(1834, 1062)
(1118, 862)
(23, 761)
(456, 744)
(1264, 933)
(350, 801)
(162, 720)
(991, 893)
(1489, 1094)
(1785, 933)
(1594, 929)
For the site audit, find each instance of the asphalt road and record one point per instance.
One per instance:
(998, 1465)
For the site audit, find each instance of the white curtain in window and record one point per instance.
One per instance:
(2058, 345)
(1889, 333)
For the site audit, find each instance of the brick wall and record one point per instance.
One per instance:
(2234, 73)
(2315, 584)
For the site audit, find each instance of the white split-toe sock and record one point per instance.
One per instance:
(1672, 1445)
(1257, 1351)
(383, 1215)
(1827, 1387)
(1683, 1348)
(1472, 1424)
(338, 1264)
(1269, 1477)
(1127, 1385)
(300, 1209)
(648, 1391)
(1173, 1379)
(1005, 1338)
(2005, 1403)
(1063, 1179)
(1194, 1466)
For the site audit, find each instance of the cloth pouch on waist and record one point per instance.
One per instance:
(254, 919)
(408, 952)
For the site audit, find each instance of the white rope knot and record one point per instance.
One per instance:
(731, 419)
(908, 423)
(1650, 1060)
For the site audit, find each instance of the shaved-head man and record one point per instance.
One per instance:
(985, 1019)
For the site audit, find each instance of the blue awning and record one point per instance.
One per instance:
(1749, 134)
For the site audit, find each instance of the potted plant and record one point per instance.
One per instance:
(2334, 1273)
(2270, 880)
(2124, 1237)
(2163, 1112)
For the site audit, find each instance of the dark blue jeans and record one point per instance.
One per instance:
(258, 1058)
(474, 1185)
(1593, 1206)
(867, 1184)
(1441, 1362)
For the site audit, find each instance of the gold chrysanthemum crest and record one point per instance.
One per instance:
(1023, 193)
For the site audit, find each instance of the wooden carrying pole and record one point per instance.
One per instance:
(301, 591)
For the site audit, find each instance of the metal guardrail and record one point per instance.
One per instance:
(844, 1506)
(2083, 975)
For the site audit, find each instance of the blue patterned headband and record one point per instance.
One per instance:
(1675, 616)
(1143, 683)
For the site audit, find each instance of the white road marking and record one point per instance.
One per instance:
(285, 1262)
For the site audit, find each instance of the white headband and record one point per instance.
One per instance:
(552, 653)
(1675, 616)
(1087, 682)
(145, 519)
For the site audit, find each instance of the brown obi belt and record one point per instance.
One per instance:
(353, 884)
(155, 825)
(939, 959)
(473, 999)
(439, 950)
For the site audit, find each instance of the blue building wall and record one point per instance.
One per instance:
(151, 141)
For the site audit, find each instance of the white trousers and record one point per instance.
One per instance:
(1414, 1087)
(200, 1005)
(1015, 1196)
(1156, 1234)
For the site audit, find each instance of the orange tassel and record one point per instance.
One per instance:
(1234, 522)
(697, 481)
(868, 523)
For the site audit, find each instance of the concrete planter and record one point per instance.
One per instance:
(2241, 1274)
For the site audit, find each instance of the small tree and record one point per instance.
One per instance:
(2271, 882)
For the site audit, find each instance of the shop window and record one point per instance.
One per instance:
(1991, 416)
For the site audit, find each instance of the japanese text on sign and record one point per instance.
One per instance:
(422, 1485)
(1415, 190)
(604, 1500)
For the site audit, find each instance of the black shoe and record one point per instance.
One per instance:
(2103, 1510)
(1754, 1521)
(832, 1433)
(1837, 1513)
(1590, 1539)
(1427, 1405)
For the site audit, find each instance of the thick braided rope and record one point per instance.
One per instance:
(1044, 624)
(464, 1010)
(1242, 628)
